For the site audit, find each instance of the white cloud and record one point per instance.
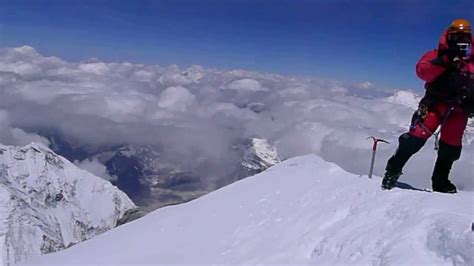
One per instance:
(14, 136)
(294, 92)
(95, 68)
(95, 167)
(246, 85)
(177, 99)
(198, 114)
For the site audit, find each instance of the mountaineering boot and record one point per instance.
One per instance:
(407, 146)
(447, 155)
(444, 187)
(390, 179)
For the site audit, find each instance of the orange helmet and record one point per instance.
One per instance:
(460, 26)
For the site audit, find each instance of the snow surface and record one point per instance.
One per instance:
(303, 211)
(48, 204)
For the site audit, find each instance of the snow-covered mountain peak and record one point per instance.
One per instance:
(260, 155)
(194, 73)
(302, 211)
(405, 98)
(48, 204)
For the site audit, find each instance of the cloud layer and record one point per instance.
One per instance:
(197, 115)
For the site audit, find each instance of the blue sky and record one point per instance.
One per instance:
(369, 40)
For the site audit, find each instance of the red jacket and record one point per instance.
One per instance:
(429, 72)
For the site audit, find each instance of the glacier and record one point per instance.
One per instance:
(48, 204)
(302, 211)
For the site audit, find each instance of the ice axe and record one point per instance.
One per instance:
(374, 150)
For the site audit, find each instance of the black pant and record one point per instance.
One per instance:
(409, 145)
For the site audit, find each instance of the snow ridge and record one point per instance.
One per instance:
(302, 211)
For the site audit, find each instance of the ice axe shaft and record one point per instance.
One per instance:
(374, 151)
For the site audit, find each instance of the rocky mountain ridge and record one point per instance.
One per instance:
(48, 204)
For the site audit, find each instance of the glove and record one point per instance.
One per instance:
(447, 57)
(422, 111)
(451, 54)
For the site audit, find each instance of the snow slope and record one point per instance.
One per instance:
(301, 211)
(48, 204)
